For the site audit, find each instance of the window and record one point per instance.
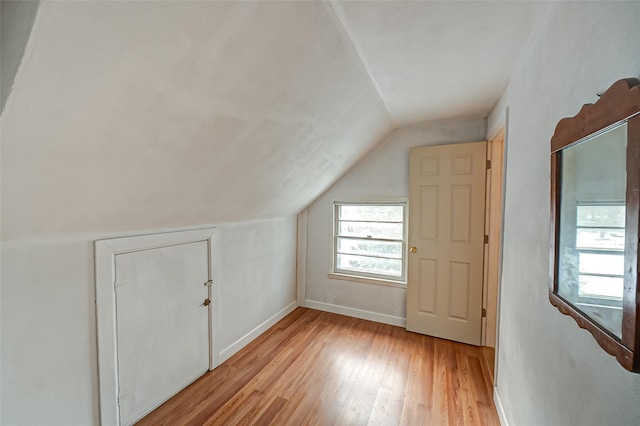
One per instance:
(600, 249)
(370, 240)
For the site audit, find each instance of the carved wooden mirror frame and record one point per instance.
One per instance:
(619, 104)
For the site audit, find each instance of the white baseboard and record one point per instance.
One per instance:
(502, 415)
(356, 313)
(232, 349)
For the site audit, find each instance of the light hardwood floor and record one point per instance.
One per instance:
(320, 368)
(489, 356)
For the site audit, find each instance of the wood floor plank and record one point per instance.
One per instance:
(358, 407)
(318, 368)
(441, 392)
(266, 416)
(414, 409)
(468, 395)
(387, 407)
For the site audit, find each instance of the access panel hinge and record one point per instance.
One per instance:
(484, 313)
(488, 164)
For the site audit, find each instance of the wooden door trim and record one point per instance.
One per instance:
(105, 253)
(494, 231)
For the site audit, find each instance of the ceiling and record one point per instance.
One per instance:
(434, 60)
(143, 115)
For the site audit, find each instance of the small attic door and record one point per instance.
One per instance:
(154, 320)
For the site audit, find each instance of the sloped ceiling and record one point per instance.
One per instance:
(16, 20)
(142, 115)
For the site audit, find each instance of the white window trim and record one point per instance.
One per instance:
(364, 277)
(367, 280)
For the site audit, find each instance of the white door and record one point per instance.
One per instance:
(446, 227)
(162, 324)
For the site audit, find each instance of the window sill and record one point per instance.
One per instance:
(367, 280)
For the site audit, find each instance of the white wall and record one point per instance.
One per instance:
(49, 355)
(550, 372)
(382, 174)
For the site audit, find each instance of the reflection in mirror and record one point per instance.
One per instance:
(592, 227)
(595, 220)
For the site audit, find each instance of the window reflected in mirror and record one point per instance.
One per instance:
(592, 227)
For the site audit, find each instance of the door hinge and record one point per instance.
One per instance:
(484, 313)
(488, 164)
(486, 239)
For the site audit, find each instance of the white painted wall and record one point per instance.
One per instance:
(258, 266)
(382, 174)
(550, 372)
(49, 355)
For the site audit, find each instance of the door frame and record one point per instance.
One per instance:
(105, 256)
(500, 132)
(493, 229)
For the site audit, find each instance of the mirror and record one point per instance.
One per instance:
(595, 178)
(592, 226)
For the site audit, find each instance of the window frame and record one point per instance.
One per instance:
(363, 276)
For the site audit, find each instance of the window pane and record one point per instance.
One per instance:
(599, 238)
(601, 287)
(601, 263)
(372, 265)
(601, 216)
(392, 231)
(382, 213)
(369, 247)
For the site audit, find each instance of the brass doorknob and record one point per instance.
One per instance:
(413, 249)
(206, 302)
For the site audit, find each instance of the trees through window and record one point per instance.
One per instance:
(370, 240)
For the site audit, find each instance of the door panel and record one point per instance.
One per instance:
(429, 217)
(446, 225)
(460, 213)
(459, 287)
(427, 291)
(162, 325)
